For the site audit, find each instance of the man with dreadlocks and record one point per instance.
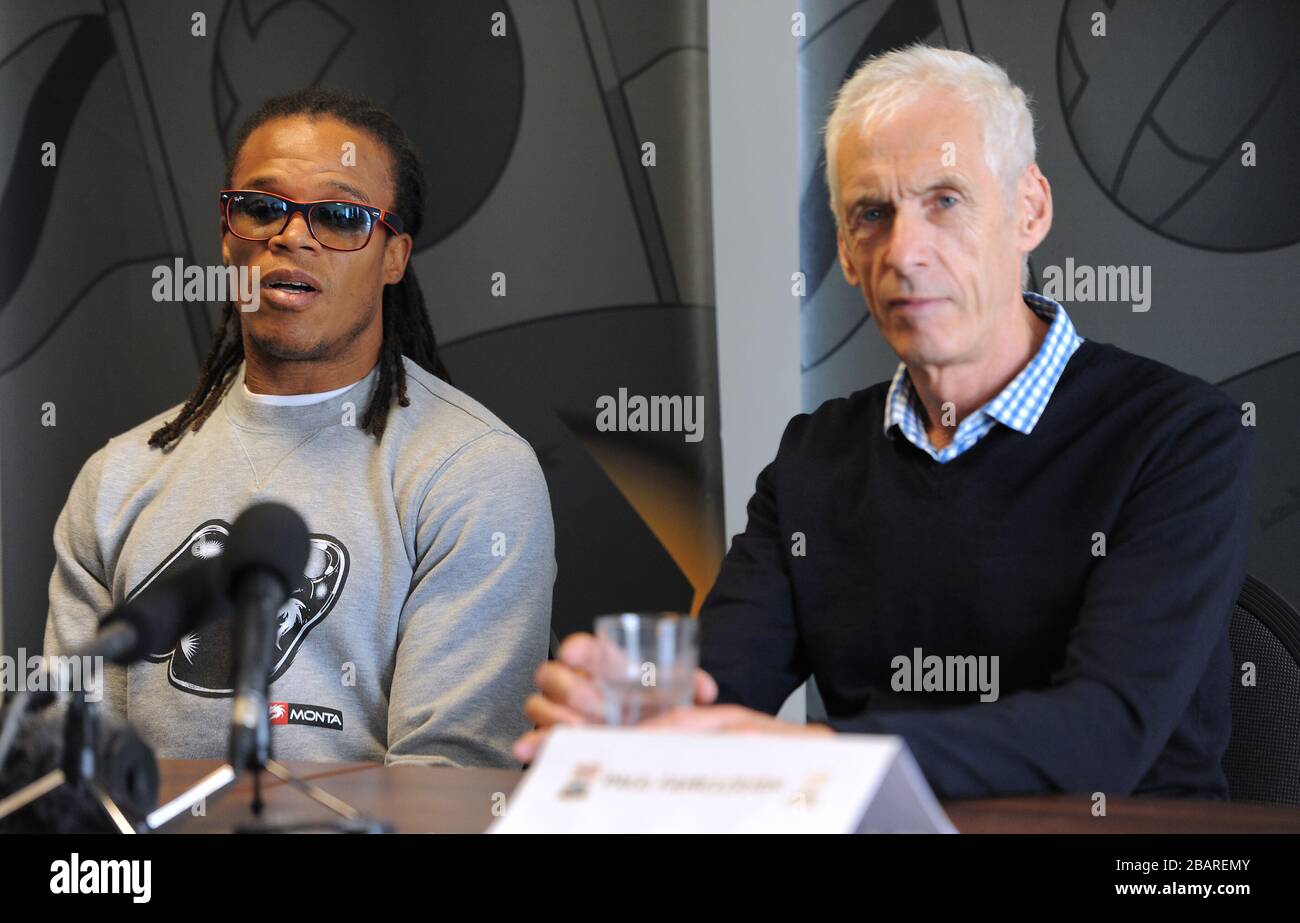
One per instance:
(424, 608)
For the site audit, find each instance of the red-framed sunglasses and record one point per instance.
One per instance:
(338, 224)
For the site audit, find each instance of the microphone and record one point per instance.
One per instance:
(264, 560)
(127, 772)
(154, 620)
(151, 622)
(101, 748)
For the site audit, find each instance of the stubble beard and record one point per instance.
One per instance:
(320, 351)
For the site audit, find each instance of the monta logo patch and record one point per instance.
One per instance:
(297, 713)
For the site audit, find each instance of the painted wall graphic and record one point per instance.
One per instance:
(1141, 134)
(533, 145)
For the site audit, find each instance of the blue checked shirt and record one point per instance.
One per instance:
(1018, 405)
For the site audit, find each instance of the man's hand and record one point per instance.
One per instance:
(567, 694)
(731, 719)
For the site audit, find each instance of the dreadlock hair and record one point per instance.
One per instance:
(406, 328)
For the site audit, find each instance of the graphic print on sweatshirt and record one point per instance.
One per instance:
(202, 662)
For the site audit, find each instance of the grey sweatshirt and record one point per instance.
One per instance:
(424, 608)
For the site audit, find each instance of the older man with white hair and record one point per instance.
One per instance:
(1018, 504)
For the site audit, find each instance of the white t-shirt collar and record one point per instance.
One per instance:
(297, 400)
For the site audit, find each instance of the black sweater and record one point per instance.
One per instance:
(1114, 670)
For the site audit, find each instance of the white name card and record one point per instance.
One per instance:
(621, 780)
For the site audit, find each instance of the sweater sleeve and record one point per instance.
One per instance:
(79, 593)
(749, 639)
(1154, 609)
(475, 625)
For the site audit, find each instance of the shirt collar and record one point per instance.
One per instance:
(243, 409)
(1020, 404)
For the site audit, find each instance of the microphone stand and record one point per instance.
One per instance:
(250, 731)
(350, 819)
(81, 767)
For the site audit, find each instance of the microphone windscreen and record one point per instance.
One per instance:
(267, 537)
(171, 608)
(130, 774)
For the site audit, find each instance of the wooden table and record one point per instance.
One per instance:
(420, 799)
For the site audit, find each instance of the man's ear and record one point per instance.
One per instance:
(225, 247)
(846, 265)
(397, 252)
(1034, 218)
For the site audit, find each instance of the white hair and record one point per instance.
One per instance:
(888, 82)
